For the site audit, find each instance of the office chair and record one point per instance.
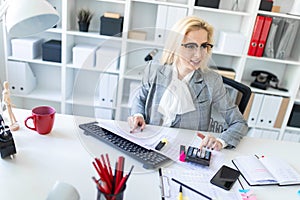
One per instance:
(240, 93)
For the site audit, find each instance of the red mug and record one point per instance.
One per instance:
(43, 119)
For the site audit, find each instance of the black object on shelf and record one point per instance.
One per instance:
(266, 5)
(111, 26)
(208, 3)
(294, 119)
(7, 144)
(51, 51)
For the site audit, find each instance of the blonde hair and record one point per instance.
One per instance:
(177, 33)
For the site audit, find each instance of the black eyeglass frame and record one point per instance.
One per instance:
(203, 45)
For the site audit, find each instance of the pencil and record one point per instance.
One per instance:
(192, 189)
(180, 193)
(109, 166)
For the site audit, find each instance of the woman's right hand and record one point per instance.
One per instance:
(136, 122)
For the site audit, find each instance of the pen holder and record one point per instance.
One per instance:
(104, 196)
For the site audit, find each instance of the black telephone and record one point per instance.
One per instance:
(263, 79)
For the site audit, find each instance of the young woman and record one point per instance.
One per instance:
(181, 91)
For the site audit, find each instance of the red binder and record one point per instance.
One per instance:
(263, 36)
(256, 35)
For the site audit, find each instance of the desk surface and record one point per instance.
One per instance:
(66, 155)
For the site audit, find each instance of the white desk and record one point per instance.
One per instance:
(66, 155)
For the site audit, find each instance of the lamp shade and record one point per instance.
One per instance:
(28, 17)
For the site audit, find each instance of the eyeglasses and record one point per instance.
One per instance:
(192, 47)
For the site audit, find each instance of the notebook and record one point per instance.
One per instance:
(266, 171)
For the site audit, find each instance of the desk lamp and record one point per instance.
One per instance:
(28, 17)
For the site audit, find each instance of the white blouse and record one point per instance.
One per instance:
(176, 99)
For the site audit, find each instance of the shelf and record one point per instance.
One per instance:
(182, 5)
(288, 62)
(145, 42)
(221, 11)
(36, 61)
(270, 91)
(93, 34)
(293, 129)
(217, 52)
(283, 15)
(113, 1)
(85, 101)
(42, 94)
(93, 69)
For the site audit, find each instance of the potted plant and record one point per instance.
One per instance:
(84, 17)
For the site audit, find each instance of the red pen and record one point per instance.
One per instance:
(120, 169)
(123, 181)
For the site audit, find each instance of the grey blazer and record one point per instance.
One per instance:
(207, 90)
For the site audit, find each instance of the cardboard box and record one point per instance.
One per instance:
(51, 51)
(84, 55)
(137, 35)
(26, 48)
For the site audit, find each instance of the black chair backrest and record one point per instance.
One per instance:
(244, 89)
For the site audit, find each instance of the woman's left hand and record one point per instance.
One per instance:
(211, 142)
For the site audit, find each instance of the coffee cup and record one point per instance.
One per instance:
(42, 118)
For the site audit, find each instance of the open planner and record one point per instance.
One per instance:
(266, 171)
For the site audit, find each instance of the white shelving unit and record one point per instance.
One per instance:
(74, 90)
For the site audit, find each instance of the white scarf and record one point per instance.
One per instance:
(176, 99)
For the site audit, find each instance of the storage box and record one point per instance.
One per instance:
(266, 5)
(51, 51)
(26, 48)
(84, 55)
(111, 26)
(137, 35)
(231, 42)
(208, 3)
(107, 58)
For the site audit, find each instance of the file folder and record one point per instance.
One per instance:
(167, 16)
(255, 109)
(263, 36)
(255, 35)
(287, 41)
(161, 21)
(270, 43)
(112, 88)
(21, 78)
(108, 90)
(269, 111)
(103, 89)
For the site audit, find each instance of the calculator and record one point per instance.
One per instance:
(199, 156)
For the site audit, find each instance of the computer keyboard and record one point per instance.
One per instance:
(149, 158)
